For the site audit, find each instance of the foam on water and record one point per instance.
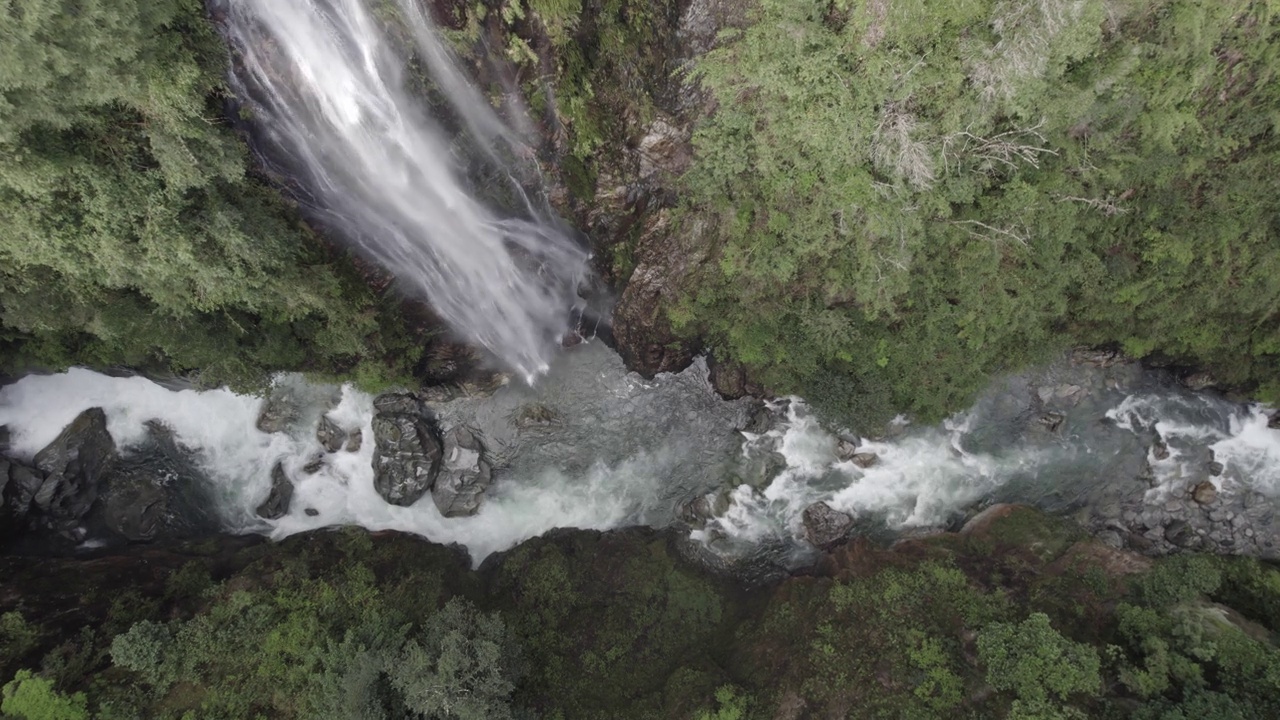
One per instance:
(620, 459)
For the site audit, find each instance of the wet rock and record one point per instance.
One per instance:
(846, 449)
(1215, 468)
(1181, 534)
(73, 466)
(760, 466)
(311, 512)
(280, 410)
(399, 403)
(865, 459)
(1050, 421)
(825, 526)
(698, 511)
(730, 379)
(763, 419)
(155, 491)
(464, 475)
(354, 441)
(1159, 450)
(1198, 381)
(277, 503)
(406, 457)
(313, 467)
(4, 443)
(331, 436)
(1204, 493)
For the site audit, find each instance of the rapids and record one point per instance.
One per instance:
(593, 446)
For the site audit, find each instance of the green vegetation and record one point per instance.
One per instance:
(906, 196)
(583, 625)
(135, 233)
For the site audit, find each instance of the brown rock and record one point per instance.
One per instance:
(1204, 493)
(825, 526)
(865, 459)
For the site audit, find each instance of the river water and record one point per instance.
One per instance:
(593, 446)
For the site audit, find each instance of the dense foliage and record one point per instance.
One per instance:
(906, 196)
(1020, 620)
(134, 232)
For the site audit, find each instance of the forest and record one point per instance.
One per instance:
(893, 202)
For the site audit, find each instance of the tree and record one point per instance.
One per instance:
(34, 698)
(1040, 666)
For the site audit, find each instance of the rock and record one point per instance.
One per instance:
(73, 466)
(865, 459)
(761, 465)
(1159, 450)
(311, 512)
(313, 467)
(664, 149)
(1215, 468)
(1273, 422)
(762, 420)
(355, 441)
(399, 403)
(280, 410)
(406, 457)
(1198, 381)
(277, 503)
(331, 436)
(1138, 542)
(1097, 357)
(1050, 421)
(824, 526)
(730, 379)
(1204, 493)
(464, 476)
(846, 449)
(668, 259)
(1180, 533)
(4, 442)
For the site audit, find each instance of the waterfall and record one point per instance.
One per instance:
(328, 82)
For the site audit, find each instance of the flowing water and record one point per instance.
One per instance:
(593, 446)
(337, 90)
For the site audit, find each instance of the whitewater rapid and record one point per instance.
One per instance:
(337, 93)
(615, 450)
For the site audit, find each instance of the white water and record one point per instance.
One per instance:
(618, 450)
(327, 84)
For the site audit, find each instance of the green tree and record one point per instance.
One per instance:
(1040, 666)
(134, 230)
(32, 697)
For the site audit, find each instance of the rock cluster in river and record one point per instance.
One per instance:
(411, 457)
(63, 480)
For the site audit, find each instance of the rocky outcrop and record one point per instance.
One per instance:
(407, 452)
(824, 526)
(276, 505)
(1203, 518)
(330, 436)
(464, 475)
(156, 491)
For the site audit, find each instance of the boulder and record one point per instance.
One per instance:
(825, 526)
(698, 511)
(1204, 493)
(865, 460)
(1159, 450)
(398, 404)
(846, 449)
(1050, 421)
(406, 457)
(73, 466)
(331, 436)
(156, 490)
(280, 410)
(354, 441)
(464, 475)
(1180, 533)
(760, 465)
(1198, 381)
(277, 503)
(1097, 357)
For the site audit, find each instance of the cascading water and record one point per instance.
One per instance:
(327, 82)
(593, 446)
